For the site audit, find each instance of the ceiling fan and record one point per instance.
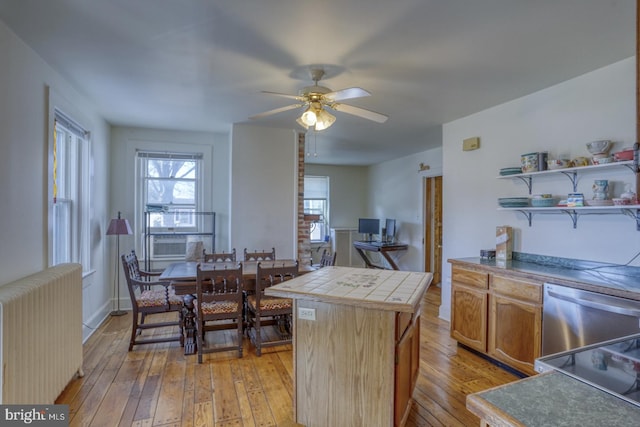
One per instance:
(315, 98)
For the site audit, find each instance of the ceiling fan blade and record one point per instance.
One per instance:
(348, 93)
(284, 95)
(275, 111)
(360, 112)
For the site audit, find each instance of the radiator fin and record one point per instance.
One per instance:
(41, 334)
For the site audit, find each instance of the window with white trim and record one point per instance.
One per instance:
(316, 202)
(169, 189)
(70, 210)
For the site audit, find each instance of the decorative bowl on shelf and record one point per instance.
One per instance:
(558, 163)
(626, 154)
(543, 202)
(619, 201)
(510, 171)
(599, 202)
(596, 147)
(580, 161)
(513, 202)
(602, 160)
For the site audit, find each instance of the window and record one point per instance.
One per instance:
(170, 190)
(70, 209)
(316, 202)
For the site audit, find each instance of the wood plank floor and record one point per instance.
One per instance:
(157, 385)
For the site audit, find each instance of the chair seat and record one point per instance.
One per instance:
(173, 298)
(152, 298)
(270, 303)
(218, 307)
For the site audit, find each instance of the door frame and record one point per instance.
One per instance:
(432, 239)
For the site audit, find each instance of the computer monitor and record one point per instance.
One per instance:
(369, 226)
(390, 229)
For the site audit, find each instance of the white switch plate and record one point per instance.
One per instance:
(306, 313)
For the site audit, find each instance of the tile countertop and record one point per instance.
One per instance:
(551, 400)
(391, 290)
(612, 279)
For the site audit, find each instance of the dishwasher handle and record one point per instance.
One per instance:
(604, 306)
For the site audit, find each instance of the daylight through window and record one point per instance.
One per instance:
(316, 202)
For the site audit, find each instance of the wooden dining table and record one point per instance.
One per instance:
(182, 275)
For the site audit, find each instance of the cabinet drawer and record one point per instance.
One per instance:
(473, 278)
(517, 288)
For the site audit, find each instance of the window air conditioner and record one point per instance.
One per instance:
(168, 247)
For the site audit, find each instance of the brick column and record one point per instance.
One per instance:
(304, 242)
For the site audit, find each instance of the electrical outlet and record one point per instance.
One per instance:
(306, 313)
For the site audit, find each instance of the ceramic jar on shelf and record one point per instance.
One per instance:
(600, 189)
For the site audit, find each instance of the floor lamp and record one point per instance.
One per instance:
(118, 226)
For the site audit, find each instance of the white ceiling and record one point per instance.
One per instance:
(201, 64)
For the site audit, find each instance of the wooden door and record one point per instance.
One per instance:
(433, 227)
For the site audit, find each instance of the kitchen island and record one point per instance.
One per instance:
(355, 344)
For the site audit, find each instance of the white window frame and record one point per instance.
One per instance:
(318, 188)
(70, 193)
(142, 158)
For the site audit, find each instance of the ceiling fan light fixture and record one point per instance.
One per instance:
(324, 120)
(309, 117)
(301, 123)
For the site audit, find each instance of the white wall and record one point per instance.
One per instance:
(264, 180)
(348, 188)
(396, 190)
(29, 90)
(215, 150)
(392, 189)
(560, 119)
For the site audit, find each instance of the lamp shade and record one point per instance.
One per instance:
(324, 120)
(119, 226)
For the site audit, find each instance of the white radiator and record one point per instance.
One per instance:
(40, 334)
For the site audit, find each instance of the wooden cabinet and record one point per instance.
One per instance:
(497, 314)
(407, 363)
(515, 322)
(356, 349)
(469, 304)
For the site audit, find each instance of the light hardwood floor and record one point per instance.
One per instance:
(157, 385)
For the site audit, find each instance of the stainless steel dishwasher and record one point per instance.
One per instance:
(574, 318)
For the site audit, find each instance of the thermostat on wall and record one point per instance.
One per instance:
(471, 144)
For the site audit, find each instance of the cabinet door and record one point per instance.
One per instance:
(406, 371)
(469, 316)
(515, 332)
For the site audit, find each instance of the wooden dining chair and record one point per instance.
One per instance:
(150, 297)
(219, 305)
(262, 310)
(328, 259)
(260, 255)
(220, 256)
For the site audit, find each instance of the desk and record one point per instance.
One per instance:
(384, 249)
(356, 344)
(185, 271)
